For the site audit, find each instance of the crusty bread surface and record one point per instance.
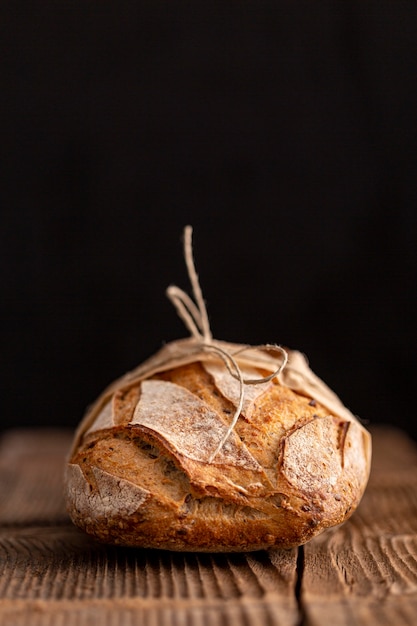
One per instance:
(140, 474)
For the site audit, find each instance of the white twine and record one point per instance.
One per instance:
(195, 317)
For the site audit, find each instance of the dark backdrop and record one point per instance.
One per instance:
(284, 132)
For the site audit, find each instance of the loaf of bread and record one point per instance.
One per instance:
(145, 469)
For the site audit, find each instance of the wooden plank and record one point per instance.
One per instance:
(59, 572)
(51, 573)
(365, 572)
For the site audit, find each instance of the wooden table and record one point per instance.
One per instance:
(51, 574)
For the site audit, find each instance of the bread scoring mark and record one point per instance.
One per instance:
(199, 382)
(229, 386)
(343, 431)
(118, 410)
(188, 424)
(357, 454)
(124, 403)
(104, 419)
(111, 496)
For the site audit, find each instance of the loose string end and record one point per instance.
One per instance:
(193, 314)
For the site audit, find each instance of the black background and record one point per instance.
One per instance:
(284, 132)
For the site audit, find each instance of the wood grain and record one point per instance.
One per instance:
(51, 574)
(59, 571)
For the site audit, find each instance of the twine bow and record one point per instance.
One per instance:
(194, 315)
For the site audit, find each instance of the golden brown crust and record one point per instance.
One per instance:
(140, 474)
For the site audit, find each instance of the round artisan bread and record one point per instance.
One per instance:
(142, 470)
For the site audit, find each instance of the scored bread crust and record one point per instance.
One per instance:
(140, 472)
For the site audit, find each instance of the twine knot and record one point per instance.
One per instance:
(194, 315)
